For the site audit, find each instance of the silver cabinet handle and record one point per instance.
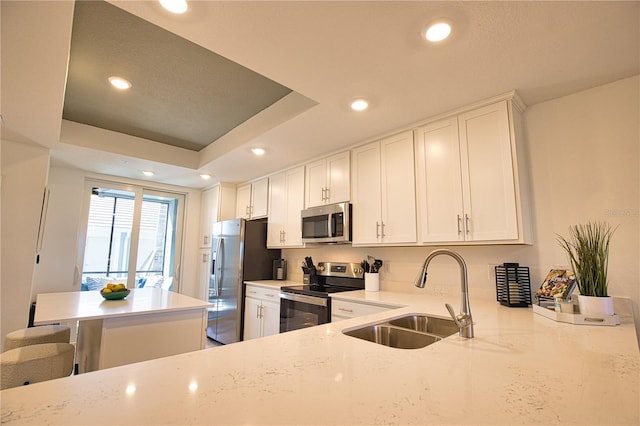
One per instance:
(345, 310)
(466, 223)
(459, 222)
(205, 240)
(328, 193)
(382, 227)
(377, 230)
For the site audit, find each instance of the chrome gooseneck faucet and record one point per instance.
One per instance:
(463, 320)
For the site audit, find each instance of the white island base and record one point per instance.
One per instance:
(150, 323)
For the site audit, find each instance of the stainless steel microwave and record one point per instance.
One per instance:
(327, 224)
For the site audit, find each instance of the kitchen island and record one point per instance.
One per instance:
(520, 368)
(149, 323)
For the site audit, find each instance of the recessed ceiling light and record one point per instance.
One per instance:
(205, 176)
(438, 32)
(148, 173)
(258, 151)
(175, 6)
(359, 105)
(119, 83)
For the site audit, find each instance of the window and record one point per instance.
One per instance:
(133, 235)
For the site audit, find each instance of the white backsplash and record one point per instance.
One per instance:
(402, 264)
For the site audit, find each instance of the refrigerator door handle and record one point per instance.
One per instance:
(220, 257)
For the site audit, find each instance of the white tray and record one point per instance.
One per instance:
(608, 320)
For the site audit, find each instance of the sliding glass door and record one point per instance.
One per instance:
(133, 235)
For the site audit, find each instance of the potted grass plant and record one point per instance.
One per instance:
(588, 250)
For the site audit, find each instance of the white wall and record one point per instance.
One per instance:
(58, 256)
(584, 161)
(24, 176)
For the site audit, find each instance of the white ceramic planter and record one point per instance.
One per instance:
(592, 306)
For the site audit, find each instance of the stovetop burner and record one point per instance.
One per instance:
(333, 277)
(318, 290)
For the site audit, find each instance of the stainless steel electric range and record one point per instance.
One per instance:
(308, 305)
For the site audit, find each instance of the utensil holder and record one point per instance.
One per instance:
(513, 285)
(371, 281)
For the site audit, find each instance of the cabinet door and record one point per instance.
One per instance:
(208, 214)
(487, 174)
(277, 210)
(341, 309)
(259, 198)
(439, 182)
(204, 273)
(243, 201)
(252, 320)
(294, 204)
(398, 196)
(339, 178)
(270, 318)
(316, 183)
(366, 196)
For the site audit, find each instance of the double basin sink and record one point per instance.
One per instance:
(408, 332)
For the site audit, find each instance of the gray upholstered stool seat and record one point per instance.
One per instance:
(35, 363)
(37, 335)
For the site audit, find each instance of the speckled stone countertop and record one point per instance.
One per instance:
(521, 368)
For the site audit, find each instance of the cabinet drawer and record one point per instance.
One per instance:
(342, 309)
(262, 293)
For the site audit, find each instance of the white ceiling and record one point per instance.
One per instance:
(328, 53)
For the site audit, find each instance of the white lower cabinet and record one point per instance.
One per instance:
(261, 312)
(341, 309)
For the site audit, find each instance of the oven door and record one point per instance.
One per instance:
(300, 311)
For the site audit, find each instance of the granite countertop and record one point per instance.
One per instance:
(521, 368)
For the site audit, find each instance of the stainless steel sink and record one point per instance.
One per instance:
(439, 326)
(408, 332)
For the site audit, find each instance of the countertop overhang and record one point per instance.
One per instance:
(520, 368)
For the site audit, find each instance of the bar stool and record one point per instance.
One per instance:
(37, 335)
(35, 363)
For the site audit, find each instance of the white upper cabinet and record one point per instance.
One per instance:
(286, 200)
(252, 199)
(217, 203)
(469, 187)
(383, 197)
(440, 181)
(328, 180)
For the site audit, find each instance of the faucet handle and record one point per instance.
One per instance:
(461, 320)
(453, 315)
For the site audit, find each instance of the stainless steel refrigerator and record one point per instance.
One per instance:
(239, 253)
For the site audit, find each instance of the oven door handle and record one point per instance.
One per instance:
(318, 301)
